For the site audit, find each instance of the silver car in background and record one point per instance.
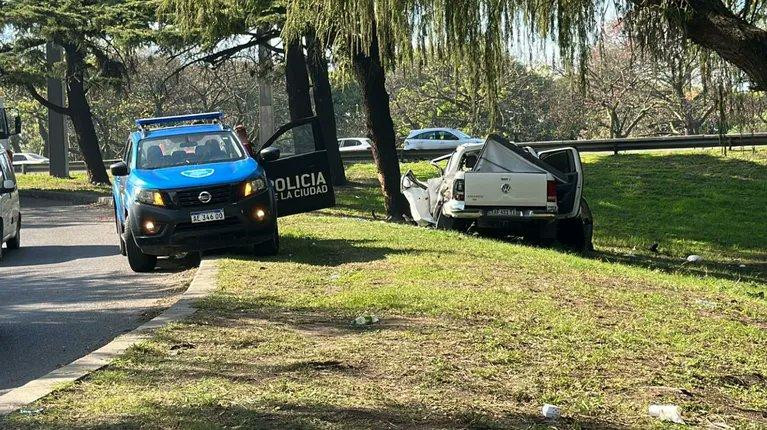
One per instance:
(437, 138)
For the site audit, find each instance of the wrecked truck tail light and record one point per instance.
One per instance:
(551, 191)
(458, 189)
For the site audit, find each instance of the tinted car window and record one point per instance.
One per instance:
(446, 135)
(19, 157)
(188, 149)
(428, 135)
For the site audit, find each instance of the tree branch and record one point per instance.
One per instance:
(711, 24)
(216, 58)
(43, 101)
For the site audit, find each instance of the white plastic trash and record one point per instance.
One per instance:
(550, 411)
(694, 258)
(666, 413)
(366, 320)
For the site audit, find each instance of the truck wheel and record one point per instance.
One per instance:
(271, 246)
(119, 229)
(576, 233)
(192, 259)
(539, 234)
(445, 222)
(15, 242)
(137, 260)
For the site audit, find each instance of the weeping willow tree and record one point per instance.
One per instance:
(370, 37)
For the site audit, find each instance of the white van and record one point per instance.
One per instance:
(10, 210)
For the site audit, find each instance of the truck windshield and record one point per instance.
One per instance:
(188, 149)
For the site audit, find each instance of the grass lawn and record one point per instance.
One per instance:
(474, 333)
(77, 183)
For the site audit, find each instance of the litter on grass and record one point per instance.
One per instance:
(694, 259)
(365, 320)
(666, 413)
(550, 411)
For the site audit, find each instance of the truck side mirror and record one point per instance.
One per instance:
(8, 185)
(17, 125)
(270, 154)
(119, 169)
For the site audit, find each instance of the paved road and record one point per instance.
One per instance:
(67, 291)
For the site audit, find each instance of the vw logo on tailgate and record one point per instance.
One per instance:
(205, 197)
(505, 188)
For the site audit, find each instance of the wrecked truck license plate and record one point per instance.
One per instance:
(504, 212)
(207, 216)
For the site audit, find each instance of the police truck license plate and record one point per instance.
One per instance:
(207, 216)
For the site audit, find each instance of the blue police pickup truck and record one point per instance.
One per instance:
(186, 184)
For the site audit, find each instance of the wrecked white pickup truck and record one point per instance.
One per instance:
(499, 187)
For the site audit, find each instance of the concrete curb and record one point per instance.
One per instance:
(202, 285)
(74, 197)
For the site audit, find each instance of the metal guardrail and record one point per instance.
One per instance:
(74, 166)
(601, 145)
(593, 145)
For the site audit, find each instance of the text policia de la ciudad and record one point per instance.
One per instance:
(307, 184)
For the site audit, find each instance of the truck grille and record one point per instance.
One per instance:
(191, 197)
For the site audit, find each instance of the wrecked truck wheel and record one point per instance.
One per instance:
(576, 233)
(540, 234)
(445, 222)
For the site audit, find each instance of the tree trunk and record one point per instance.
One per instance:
(372, 79)
(82, 117)
(711, 24)
(323, 104)
(43, 130)
(299, 100)
(14, 141)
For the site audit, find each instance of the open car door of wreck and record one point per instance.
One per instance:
(568, 162)
(301, 174)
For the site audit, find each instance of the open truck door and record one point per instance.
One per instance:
(568, 162)
(301, 174)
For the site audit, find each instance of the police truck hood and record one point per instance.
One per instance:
(198, 175)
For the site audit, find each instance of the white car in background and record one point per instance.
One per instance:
(21, 158)
(437, 138)
(354, 144)
(10, 212)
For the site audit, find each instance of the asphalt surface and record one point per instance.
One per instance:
(67, 291)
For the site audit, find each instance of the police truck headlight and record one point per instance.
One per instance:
(253, 186)
(150, 197)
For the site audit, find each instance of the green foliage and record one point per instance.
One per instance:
(98, 28)
(211, 21)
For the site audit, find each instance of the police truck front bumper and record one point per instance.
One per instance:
(249, 221)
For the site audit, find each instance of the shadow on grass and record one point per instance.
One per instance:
(753, 272)
(686, 202)
(273, 414)
(328, 252)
